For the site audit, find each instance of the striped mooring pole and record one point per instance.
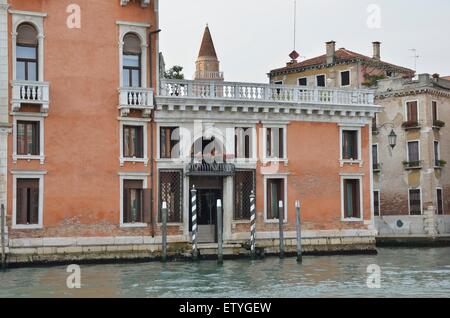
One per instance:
(253, 225)
(219, 232)
(194, 223)
(164, 231)
(281, 225)
(299, 232)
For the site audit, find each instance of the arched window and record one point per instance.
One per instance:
(132, 65)
(27, 53)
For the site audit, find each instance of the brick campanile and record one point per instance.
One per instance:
(208, 65)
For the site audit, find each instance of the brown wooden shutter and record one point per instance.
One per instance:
(34, 205)
(147, 207)
(412, 111)
(36, 138)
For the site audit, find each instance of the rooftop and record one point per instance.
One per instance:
(207, 48)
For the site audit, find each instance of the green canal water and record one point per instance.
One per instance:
(404, 273)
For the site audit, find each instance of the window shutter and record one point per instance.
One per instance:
(132, 44)
(27, 35)
(34, 205)
(147, 207)
(36, 138)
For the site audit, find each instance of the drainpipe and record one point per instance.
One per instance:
(152, 178)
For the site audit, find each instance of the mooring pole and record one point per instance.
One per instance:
(253, 225)
(281, 223)
(194, 223)
(219, 232)
(164, 231)
(2, 224)
(299, 232)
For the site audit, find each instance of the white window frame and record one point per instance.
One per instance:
(158, 142)
(407, 149)
(303, 77)
(437, 202)
(140, 30)
(439, 151)
(379, 202)
(341, 155)
(131, 176)
(23, 174)
(378, 153)
(268, 159)
(325, 80)
(349, 77)
(34, 118)
(361, 197)
(421, 201)
(406, 109)
(253, 151)
(137, 123)
(284, 177)
(36, 19)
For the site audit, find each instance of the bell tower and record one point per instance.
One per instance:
(208, 65)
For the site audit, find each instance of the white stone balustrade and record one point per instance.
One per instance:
(265, 92)
(28, 92)
(208, 75)
(135, 98)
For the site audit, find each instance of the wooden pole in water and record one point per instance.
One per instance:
(299, 232)
(281, 224)
(2, 224)
(164, 231)
(219, 232)
(253, 225)
(194, 223)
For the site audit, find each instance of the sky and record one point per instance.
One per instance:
(254, 36)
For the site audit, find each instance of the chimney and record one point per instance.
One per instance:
(331, 50)
(377, 50)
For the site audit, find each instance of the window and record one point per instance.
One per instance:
(345, 78)
(27, 53)
(275, 194)
(437, 152)
(303, 81)
(243, 142)
(389, 73)
(352, 199)
(320, 80)
(132, 61)
(434, 111)
(412, 115)
(133, 199)
(171, 192)
(376, 202)
(244, 184)
(415, 202)
(27, 202)
(169, 142)
(413, 151)
(439, 202)
(28, 140)
(275, 143)
(133, 142)
(376, 165)
(350, 145)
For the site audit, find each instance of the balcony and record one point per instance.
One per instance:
(30, 93)
(411, 125)
(208, 75)
(413, 165)
(377, 167)
(438, 124)
(439, 164)
(280, 94)
(134, 98)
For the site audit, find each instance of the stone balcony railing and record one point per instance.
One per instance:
(208, 75)
(265, 93)
(29, 92)
(135, 98)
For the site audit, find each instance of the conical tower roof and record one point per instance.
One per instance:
(207, 48)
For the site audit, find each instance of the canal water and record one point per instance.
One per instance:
(404, 273)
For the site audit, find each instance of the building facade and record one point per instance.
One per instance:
(410, 175)
(97, 143)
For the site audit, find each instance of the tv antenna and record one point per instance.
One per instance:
(416, 57)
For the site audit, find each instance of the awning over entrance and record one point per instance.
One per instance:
(210, 169)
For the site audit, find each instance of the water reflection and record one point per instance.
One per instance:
(405, 273)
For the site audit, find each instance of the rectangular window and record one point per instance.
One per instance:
(437, 154)
(415, 202)
(171, 192)
(375, 156)
(376, 203)
(275, 194)
(28, 138)
(275, 143)
(352, 203)
(244, 184)
(133, 201)
(27, 202)
(243, 142)
(440, 202)
(169, 142)
(434, 111)
(412, 112)
(350, 145)
(345, 78)
(303, 81)
(133, 142)
(320, 80)
(27, 63)
(413, 151)
(132, 70)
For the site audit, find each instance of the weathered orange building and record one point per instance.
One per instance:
(98, 141)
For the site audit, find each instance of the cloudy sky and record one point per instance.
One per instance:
(255, 36)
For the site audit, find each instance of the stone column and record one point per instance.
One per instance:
(227, 207)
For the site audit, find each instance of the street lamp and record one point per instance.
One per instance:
(392, 139)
